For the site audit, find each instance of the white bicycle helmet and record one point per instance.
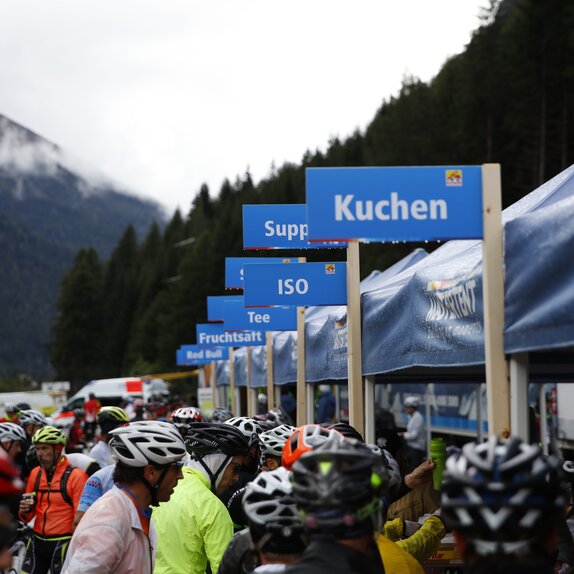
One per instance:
(394, 472)
(275, 523)
(141, 444)
(12, 431)
(249, 427)
(186, 415)
(273, 441)
(32, 417)
(267, 500)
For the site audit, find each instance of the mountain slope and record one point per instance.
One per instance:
(50, 206)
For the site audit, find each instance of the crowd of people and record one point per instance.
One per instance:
(178, 494)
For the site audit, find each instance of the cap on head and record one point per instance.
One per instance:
(412, 401)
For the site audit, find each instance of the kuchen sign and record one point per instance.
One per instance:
(394, 203)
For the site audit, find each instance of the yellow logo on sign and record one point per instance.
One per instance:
(329, 269)
(453, 177)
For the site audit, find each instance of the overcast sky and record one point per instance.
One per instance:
(165, 95)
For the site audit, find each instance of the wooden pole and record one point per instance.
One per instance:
(497, 384)
(354, 352)
(269, 354)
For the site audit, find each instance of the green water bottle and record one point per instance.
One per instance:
(438, 456)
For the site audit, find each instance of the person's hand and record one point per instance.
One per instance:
(27, 503)
(420, 475)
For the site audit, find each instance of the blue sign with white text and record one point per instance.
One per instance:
(234, 268)
(278, 226)
(238, 318)
(215, 306)
(195, 355)
(394, 203)
(299, 285)
(215, 334)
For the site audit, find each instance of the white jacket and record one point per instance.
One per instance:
(110, 539)
(415, 435)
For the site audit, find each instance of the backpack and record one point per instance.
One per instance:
(63, 483)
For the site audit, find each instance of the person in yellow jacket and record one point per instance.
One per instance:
(194, 527)
(338, 487)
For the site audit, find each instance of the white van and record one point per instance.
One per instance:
(112, 392)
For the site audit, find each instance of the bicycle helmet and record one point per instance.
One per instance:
(23, 406)
(33, 417)
(49, 435)
(273, 441)
(110, 418)
(305, 439)
(345, 429)
(250, 428)
(394, 472)
(221, 414)
(142, 444)
(340, 485)
(10, 407)
(11, 432)
(186, 415)
(502, 495)
(210, 438)
(274, 521)
(279, 417)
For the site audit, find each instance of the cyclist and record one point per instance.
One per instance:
(76, 434)
(10, 489)
(272, 443)
(275, 524)
(194, 527)
(56, 487)
(116, 534)
(339, 488)
(12, 413)
(305, 439)
(183, 416)
(504, 501)
(221, 414)
(12, 439)
(91, 408)
(109, 418)
(31, 421)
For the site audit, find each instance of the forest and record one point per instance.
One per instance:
(507, 98)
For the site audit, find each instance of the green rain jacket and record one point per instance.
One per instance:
(193, 527)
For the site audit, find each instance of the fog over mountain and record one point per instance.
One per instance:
(51, 205)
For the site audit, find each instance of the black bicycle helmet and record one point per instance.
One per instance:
(221, 414)
(110, 418)
(339, 485)
(23, 406)
(210, 438)
(502, 495)
(345, 429)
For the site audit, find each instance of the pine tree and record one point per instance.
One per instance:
(78, 330)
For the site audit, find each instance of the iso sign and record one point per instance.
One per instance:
(234, 268)
(297, 285)
(394, 203)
